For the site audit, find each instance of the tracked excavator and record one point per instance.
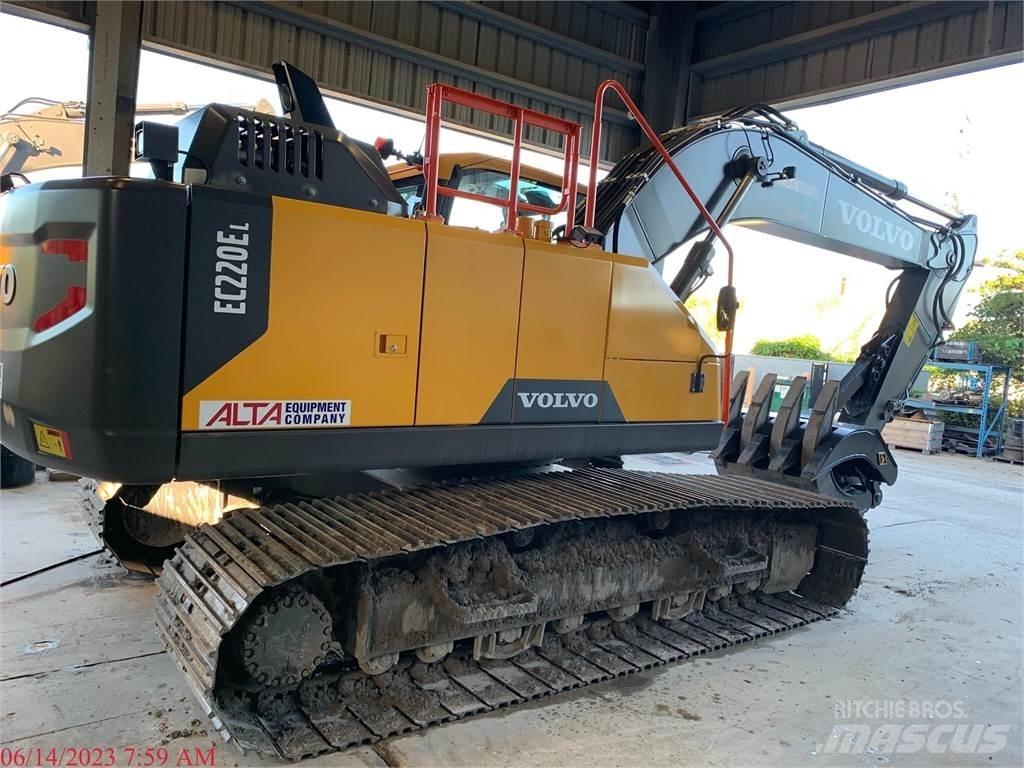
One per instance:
(267, 321)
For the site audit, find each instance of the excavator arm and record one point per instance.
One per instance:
(53, 135)
(754, 167)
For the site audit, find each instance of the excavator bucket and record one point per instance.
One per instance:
(813, 452)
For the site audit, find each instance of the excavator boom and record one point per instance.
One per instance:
(754, 167)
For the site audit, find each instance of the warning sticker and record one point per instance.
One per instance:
(912, 325)
(52, 442)
(273, 414)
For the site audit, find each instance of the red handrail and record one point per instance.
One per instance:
(438, 94)
(589, 213)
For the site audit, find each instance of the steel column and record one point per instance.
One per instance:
(670, 39)
(115, 41)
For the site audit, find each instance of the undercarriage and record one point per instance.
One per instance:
(312, 626)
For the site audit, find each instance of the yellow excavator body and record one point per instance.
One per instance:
(424, 324)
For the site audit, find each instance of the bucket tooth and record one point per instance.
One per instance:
(819, 425)
(784, 443)
(737, 394)
(753, 432)
(729, 443)
(759, 411)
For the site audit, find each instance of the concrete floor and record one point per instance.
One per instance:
(937, 624)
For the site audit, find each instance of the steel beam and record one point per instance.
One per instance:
(723, 12)
(341, 31)
(670, 43)
(624, 11)
(851, 30)
(70, 15)
(538, 34)
(115, 41)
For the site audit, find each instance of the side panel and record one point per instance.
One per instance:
(646, 320)
(563, 322)
(649, 390)
(344, 319)
(653, 347)
(470, 324)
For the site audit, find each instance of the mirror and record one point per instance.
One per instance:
(727, 305)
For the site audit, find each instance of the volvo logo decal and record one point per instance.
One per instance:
(558, 399)
(8, 283)
(875, 226)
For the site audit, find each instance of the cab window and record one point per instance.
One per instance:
(484, 181)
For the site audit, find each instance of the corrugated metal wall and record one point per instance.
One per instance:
(548, 57)
(770, 52)
(390, 51)
(702, 57)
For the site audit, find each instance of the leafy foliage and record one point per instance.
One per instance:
(997, 322)
(806, 347)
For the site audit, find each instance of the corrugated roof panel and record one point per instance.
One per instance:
(487, 48)
(361, 13)
(307, 52)
(855, 67)
(814, 71)
(429, 35)
(283, 40)
(1013, 30)
(558, 71)
(328, 39)
(743, 53)
(359, 71)
(957, 37)
(333, 66)
(1011, 26)
(979, 35)
(449, 35)
(904, 50)
(506, 60)
(929, 44)
(573, 80)
(468, 36)
(524, 64)
(774, 81)
(229, 32)
(880, 62)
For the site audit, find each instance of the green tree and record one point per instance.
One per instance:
(997, 322)
(805, 347)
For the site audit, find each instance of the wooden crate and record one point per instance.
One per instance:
(915, 434)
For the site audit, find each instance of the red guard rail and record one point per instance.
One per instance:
(595, 148)
(438, 94)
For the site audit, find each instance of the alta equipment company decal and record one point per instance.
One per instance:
(273, 414)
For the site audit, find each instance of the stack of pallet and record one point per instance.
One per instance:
(917, 433)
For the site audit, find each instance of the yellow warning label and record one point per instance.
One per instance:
(912, 326)
(53, 442)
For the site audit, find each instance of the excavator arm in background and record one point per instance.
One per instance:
(53, 136)
(755, 168)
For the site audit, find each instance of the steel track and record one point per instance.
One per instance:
(220, 570)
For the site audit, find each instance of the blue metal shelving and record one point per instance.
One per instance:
(987, 427)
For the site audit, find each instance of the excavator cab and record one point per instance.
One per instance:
(484, 175)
